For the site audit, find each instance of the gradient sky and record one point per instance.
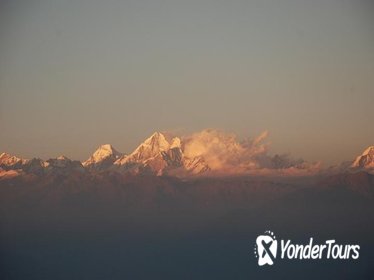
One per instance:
(76, 74)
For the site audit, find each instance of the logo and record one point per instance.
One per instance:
(266, 248)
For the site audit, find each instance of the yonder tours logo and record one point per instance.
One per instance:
(266, 248)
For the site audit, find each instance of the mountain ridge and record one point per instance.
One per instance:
(365, 160)
(208, 154)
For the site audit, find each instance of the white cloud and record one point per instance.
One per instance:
(224, 153)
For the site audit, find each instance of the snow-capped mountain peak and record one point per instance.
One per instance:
(156, 155)
(62, 163)
(157, 141)
(7, 160)
(104, 155)
(369, 151)
(151, 147)
(104, 151)
(62, 157)
(175, 143)
(365, 160)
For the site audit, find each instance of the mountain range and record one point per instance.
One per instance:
(210, 153)
(170, 197)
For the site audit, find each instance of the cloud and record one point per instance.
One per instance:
(223, 152)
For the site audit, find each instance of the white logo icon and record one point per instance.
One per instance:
(266, 248)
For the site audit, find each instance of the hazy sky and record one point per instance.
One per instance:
(76, 74)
